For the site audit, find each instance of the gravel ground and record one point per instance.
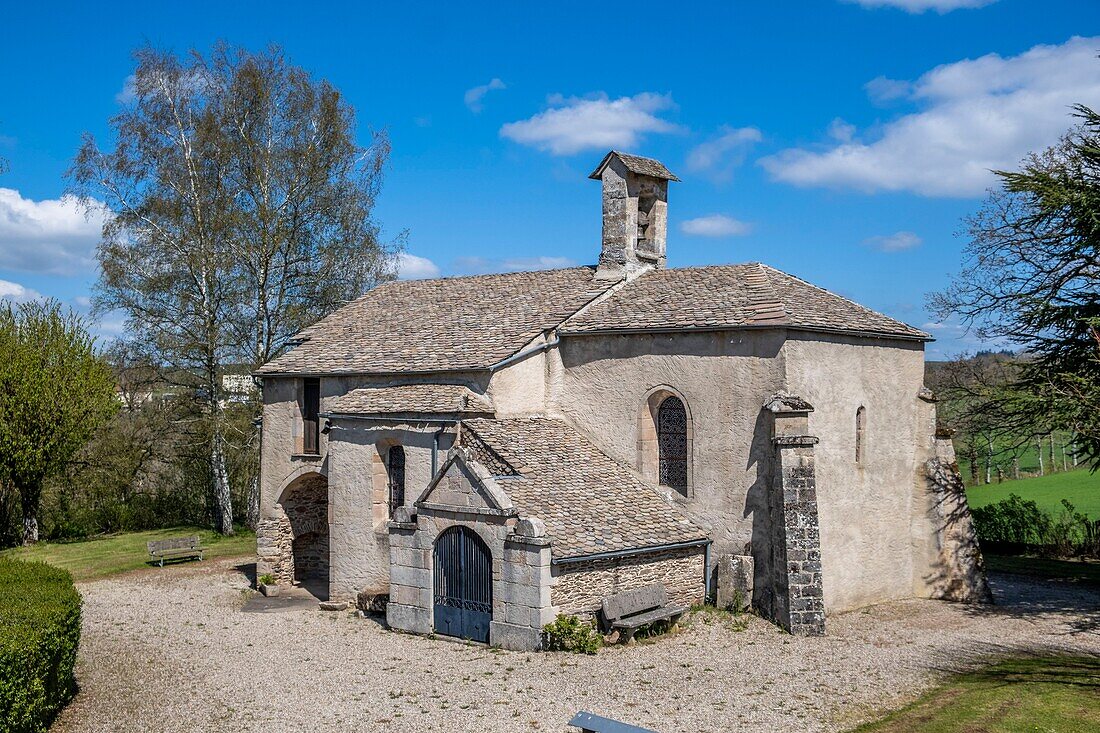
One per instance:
(171, 651)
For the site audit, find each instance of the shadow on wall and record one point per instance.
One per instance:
(958, 573)
(759, 503)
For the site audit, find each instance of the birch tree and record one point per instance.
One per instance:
(241, 212)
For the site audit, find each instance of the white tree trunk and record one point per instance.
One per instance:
(1041, 471)
(223, 502)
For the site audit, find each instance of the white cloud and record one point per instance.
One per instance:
(574, 124)
(483, 265)
(920, 6)
(715, 225)
(475, 97)
(50, 236)
(411, 267)
(882, 90)
(975, 115)
(17, 293)
(841, 131)
(719, 156)
(896, 242)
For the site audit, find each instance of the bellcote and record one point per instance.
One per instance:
(635, 214)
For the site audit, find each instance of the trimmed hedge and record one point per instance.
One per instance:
(39, 635)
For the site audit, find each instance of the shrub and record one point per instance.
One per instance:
(570, 634)
(1013, 520)
(266, 579)
(39, 635)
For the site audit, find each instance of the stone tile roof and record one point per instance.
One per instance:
(731, 296)
(447, 324)
(636, 164)
(433, 399)
(589, 502)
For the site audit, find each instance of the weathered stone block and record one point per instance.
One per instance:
(735, 582)
(409, 618)
(514, 637)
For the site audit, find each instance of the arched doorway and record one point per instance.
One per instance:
(463, 593)
(305, 503)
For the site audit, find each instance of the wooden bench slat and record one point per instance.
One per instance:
(659, 614)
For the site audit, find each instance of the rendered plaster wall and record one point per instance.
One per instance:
(519, 389)
(601, 384)
(359, 496)
(872, 514)
(579, 588)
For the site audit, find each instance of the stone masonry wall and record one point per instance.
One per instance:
(579, 588)
(293, 545)
(799, 603)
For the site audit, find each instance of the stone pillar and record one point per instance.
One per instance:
(521, 606)
(410, 605)
(798, 600)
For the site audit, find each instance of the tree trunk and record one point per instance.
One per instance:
(1053, 459)
(989, 461)
(30, 516)
(1016, 467)
(972, 455)
(1041, 471)
(223, 502)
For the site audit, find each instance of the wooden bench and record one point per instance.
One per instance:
(177, 548)
(630, 610)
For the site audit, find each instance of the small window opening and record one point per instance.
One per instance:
(395, 468)
(861, 430)
(311, 405)
(672, 444)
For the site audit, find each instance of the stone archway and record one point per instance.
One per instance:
(305, 505)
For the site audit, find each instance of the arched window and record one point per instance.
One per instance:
(672, 444)
(395, 468)
(861, 433)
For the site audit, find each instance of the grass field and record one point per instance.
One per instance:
(109, 554)
(1084, 572)
(1080, 487)
(1031, 694)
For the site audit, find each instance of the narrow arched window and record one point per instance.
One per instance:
(861, 433)
(672, 444)
(395, 467)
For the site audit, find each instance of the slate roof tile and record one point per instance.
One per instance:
(433, 399)
(447, 324)
(589, 502)
(731, 296)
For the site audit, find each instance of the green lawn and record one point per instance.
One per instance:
(1080, 487)
(117, 553)
(1016, 696)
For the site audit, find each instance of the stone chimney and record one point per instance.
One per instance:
(635, 214)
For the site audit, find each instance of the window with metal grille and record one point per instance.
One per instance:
(395, 466)
(672, 443)
(311, 405)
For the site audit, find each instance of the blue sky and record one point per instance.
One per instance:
(840, 141)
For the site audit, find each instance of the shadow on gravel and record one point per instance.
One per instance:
(1019, 596)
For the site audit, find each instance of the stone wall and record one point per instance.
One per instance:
(293, 540)
(958, 573)
(579, 588)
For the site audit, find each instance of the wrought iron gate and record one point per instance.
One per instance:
(463, 585)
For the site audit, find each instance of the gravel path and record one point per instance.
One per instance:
(171, 651)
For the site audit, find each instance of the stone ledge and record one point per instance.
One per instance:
(795, 441)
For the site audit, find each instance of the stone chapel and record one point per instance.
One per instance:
(491, 451)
